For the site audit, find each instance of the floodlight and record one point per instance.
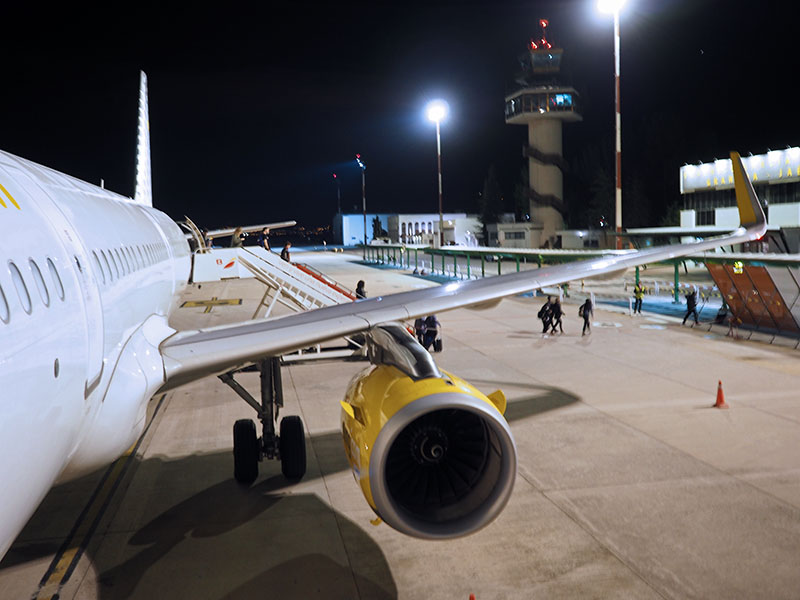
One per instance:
(436, 110)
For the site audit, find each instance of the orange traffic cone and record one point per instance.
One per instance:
(472, 597)
(720, 403)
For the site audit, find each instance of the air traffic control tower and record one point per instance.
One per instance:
(543, 104)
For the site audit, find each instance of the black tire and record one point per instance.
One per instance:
(245, 451)
(293, 448)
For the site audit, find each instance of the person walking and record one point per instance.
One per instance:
(285, 252)
(263, 239)
(237, 239)
(638, 296)
(691, 307)
(556, 312)
(360, 291)
(587, 312)
(433, 334)
(546, 315)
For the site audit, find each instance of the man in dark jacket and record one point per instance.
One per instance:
(691, 307)
(546, 314)
(556, 312)
(433, 334)
(587, 312)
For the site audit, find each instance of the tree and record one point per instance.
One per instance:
(490, 201)
(522, 201)
(377, 229)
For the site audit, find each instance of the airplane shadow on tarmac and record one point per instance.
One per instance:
(210, 537)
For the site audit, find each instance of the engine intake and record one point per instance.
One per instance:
(443, 466)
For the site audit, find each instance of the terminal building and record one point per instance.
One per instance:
(708, 203)
(408, 228)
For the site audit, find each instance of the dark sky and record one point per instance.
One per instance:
(252, 109)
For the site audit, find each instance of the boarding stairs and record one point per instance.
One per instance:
(299, 287)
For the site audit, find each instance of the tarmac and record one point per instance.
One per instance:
(630, 484)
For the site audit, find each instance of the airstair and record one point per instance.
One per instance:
(296, 286)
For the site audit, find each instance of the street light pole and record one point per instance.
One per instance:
(436, 111)
(338, 195)
(439, 163)
(363, 198)
(618, 127)
(613, 7)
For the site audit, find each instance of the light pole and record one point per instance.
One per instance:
(613, 7)
(363, 168)
(338, 195)
(436, 111)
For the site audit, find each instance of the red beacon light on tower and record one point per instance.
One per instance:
(542, 43)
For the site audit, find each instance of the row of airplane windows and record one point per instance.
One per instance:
(22, 289)
(118, 262)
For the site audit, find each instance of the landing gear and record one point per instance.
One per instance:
(293, 448)
(248, 449)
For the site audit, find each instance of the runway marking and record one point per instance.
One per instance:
(71, 551)
(210, 304)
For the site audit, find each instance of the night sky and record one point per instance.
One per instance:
(253, 109)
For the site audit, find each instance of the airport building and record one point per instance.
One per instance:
(408, 228)
(708, 203)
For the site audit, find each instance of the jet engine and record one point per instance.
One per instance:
(434, 457)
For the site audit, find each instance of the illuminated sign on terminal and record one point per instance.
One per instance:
(776, 166)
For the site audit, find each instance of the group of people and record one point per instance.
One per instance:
(237, 241)
(551, 313)
(429, 332)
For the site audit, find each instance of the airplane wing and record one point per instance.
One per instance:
(189, 355)
(215, 233)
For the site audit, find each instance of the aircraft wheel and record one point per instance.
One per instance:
(245, 451)
(293, 448)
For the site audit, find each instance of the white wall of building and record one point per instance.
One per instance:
(688, 218)
(727, 217)
(784, 215)
(352, 227)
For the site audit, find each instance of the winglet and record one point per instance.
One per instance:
(750, 212)
(144, 184)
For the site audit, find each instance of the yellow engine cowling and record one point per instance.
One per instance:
(434, 457)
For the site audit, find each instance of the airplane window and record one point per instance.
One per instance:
(99, 267)
(56, 278)
(4, 314)
(22, 289)
(128, 261)
(37, 277)
(107, 265)
(122, 269)
(114, 262)
(134, 262)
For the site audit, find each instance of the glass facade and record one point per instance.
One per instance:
(541, 103)
(704, 202)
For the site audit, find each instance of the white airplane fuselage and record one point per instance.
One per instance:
(87, 282)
